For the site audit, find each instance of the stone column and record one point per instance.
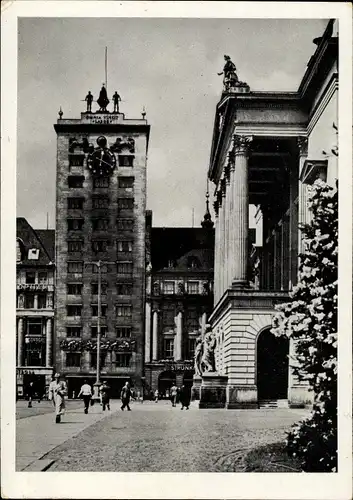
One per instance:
(155, 335)
(148, 333)
(48, 343)
(303, 192)
(227, 230)
(216, 254)
(231, 217)
(108, 361)
(20, 340)
(222, 241)
(179, 334)
(35, 301)
(240, 226)
(203, 323)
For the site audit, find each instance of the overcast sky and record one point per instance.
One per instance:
(167, 65)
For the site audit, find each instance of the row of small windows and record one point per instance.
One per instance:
(123, 160)
(124, 310)
(73, 359)
(121, 267)
(76, 288)
(36, 278)
(99, 246)
(76, 181)
(101, 202)
(122, 332)
(99, 224)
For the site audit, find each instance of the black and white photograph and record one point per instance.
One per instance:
(176, 250)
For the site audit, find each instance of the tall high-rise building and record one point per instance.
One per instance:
(100, 232)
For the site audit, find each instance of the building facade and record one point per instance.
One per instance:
(267, 148)
(100, 246)
(179, 299)
(35, 307)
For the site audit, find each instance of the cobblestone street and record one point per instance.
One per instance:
(159, 438)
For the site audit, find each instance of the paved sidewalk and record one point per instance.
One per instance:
(37, 435)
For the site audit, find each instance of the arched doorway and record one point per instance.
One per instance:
(165, 381)
(272, 366)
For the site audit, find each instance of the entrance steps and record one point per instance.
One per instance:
(273, 403)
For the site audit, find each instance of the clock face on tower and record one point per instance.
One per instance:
(101, 161)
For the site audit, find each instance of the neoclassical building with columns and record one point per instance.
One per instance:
(35, 306)
(267, 148)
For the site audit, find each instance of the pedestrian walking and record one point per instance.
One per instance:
(104, 391)
(51, 390)
(185, 397)
(30, 394)
(156, 396)
(86, 393)
(125, 396)
(60, 391)
(173, 394)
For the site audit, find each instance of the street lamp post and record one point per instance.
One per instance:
(97, 383)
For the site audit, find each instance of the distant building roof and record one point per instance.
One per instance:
(37, 246)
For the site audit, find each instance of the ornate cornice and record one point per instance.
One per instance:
(242, 144)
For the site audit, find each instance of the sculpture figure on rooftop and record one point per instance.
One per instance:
(103, 100)
(89, 100)
(116, 99)
(230, 78)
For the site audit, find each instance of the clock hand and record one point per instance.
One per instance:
(102, 154)
(102, 161)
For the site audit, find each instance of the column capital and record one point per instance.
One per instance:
(302, 145)
(241, 144)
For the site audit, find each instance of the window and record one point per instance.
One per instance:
(168, 287)
(123, 332)
(168, 315)
(73, 331)
(42, 278)
(124, 246)
(74, 267)
(168, 348)
(29, 301)
(100, 224)
(74, 288)
(33, 254)
(95, 310)
(35, 354)
(126, 160)
(125, 203)
(104, 269)
(76, 161)
(34, 326)
(102, 202)
(124, 310)
(101, 182)
(94, 331)
(74, 246)
(123, 360)
(94, 359)
(75, 181)
(191, 348)
(125, 224)
(192, 319)
(30, 277)
(73, 359)
(99, 246)
(42, 300)
(124, 288)
(75, 203)
(74, 310)
(193, 287)
(124, 268)
(126, 182)
(94, 288)
(75, 224)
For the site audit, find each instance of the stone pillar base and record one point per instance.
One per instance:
(213, 390)
(299, 396)
(241, 397)
(196, 388)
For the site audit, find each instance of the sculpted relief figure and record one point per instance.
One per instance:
(198, 357)
(208, 362)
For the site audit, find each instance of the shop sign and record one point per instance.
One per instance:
(32, 286)
(178, 367)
